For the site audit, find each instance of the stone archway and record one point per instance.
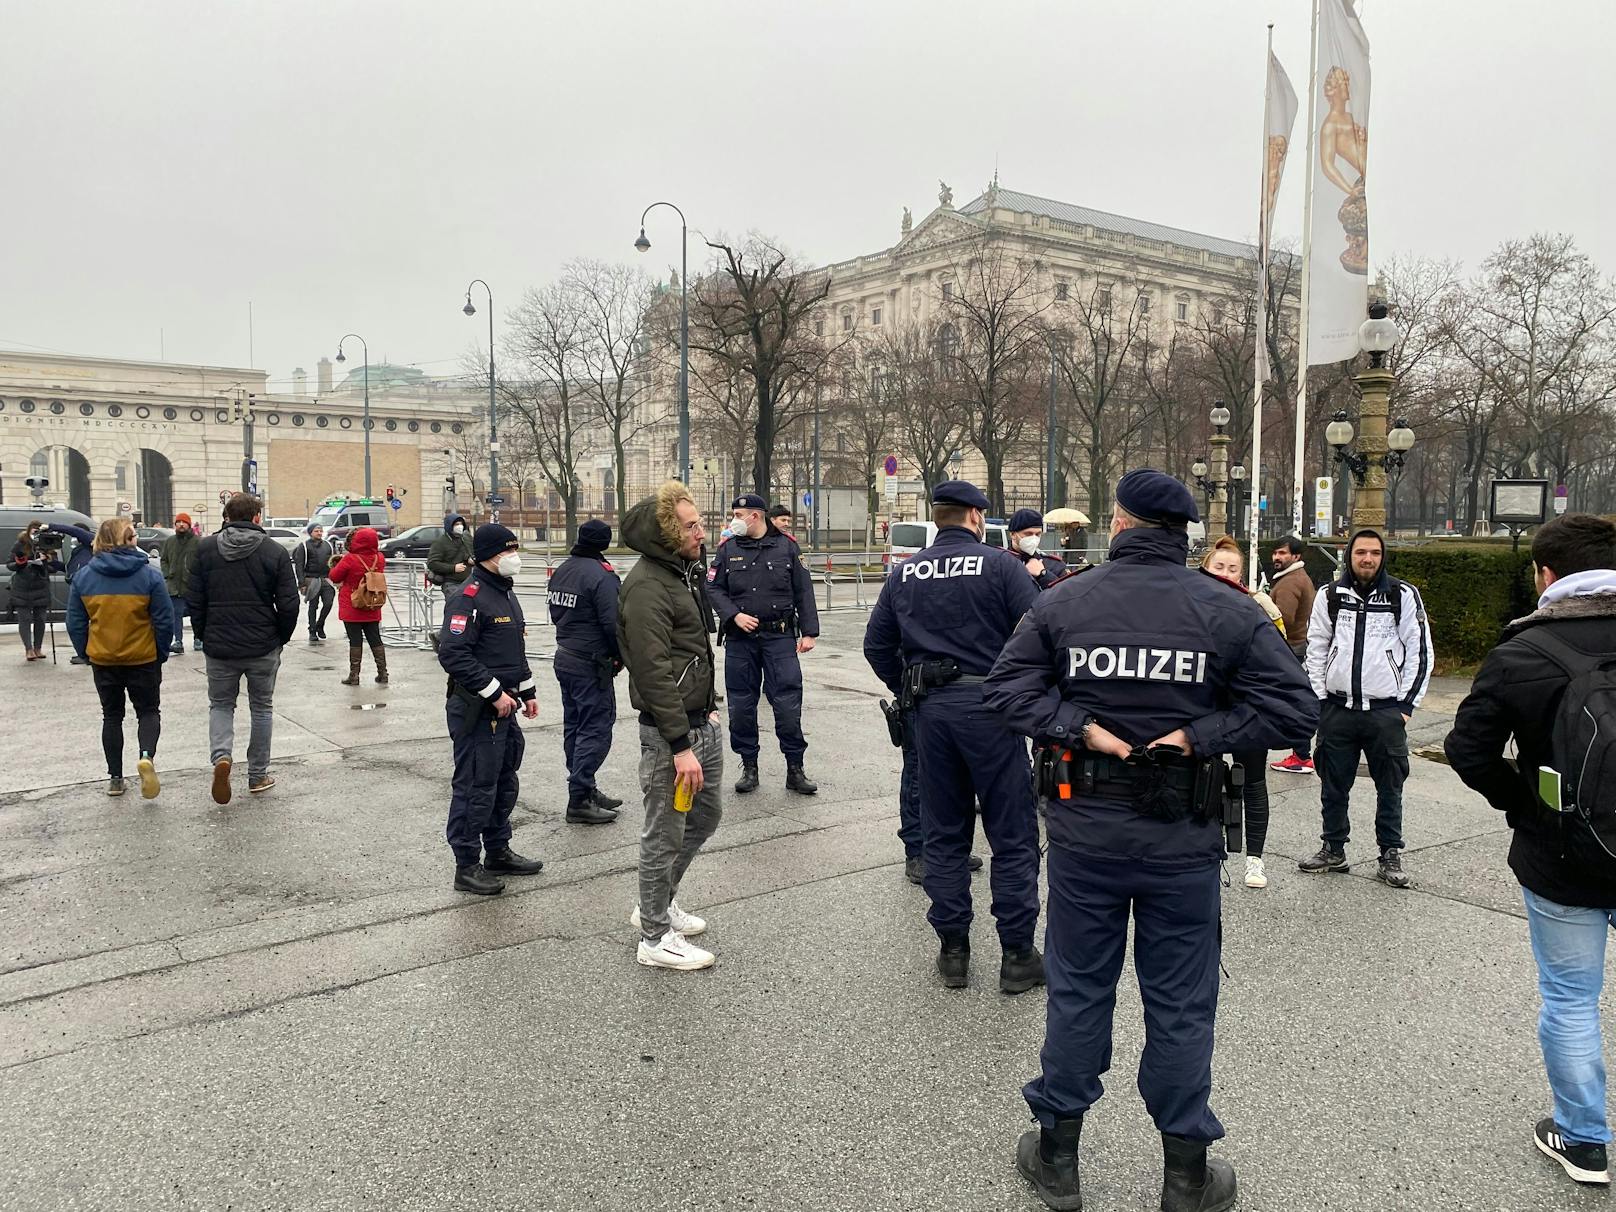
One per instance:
(155, 488)
(68, 472)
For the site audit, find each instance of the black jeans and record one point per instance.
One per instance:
(143, 684)
(360, 634)
(1255, 795)
(1382, 738)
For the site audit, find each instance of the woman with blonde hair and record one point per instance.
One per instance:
(121, 620)
(1223, 561)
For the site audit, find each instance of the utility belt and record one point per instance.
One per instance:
(921, 678)
(478, 709)
(1160, 783)
(785, 626)
(605, 667)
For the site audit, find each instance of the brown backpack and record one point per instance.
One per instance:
(371, 591)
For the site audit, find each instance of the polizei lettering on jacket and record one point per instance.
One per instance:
(1184, 665)
(565, 600)
(942, 567)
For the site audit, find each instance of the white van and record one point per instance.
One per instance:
(907, 538)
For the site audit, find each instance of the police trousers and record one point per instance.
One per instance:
(588, 714)
(965, 754)
(909, 833)
(487, 755)
(767, 659)
(1177, 947)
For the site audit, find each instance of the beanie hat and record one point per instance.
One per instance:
(182, 517)
(596, 534)
(491, 540)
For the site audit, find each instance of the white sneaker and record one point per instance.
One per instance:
(1255, 876)
(672, 951)
(687, 924)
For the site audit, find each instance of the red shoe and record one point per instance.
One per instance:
(1294, 765)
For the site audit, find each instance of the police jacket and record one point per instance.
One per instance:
(1144, 645)
(765, 578)
(481, 644)
(583, 605)
(1376, 651)
(958, 598)
(1054, 568)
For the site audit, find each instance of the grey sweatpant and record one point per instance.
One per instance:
(669, 840)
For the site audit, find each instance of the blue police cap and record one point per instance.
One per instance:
(1154, 496)
(959, 492)
(749, 500)
(1026, 519)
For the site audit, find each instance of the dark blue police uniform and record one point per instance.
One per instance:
(764, 577)
(1053, 567)
(950, 607)
(1141, 645)
(583, 607)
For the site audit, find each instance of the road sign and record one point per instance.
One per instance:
(892, 488)
(1323, 505)
(891, 465)
(1262, 502)
(1561, 498)
(396, 503)
(807, 500)
(126, 507)
(494, 498)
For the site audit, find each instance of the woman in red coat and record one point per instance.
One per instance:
(361, 623)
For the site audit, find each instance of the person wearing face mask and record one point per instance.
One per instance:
(449, 560)
(482, 647)
(1026, 536)
(764, 596)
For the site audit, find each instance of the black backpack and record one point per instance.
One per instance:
(1394, 589)
(1583, 735)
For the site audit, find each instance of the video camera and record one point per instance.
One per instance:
(49, 540)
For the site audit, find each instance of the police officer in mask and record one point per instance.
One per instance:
(767, 615)
(1134, 678)
(583, 607)
(941, 619)
(481, 647)
(1026, 537)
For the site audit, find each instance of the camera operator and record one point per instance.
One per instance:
(33, 560)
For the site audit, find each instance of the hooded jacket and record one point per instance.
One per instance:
(1517, 694)
(1371, 655)
(118, 610)
(449, 549)
(178, 557)
(242, 595)
(31, 570)
(363, 555)
(662, 627)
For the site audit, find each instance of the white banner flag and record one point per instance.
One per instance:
(1338, 277)
(1279, 119)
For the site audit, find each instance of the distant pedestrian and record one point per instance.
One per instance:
(177, 558)
(1547, 686)
(449, 560)
(120, 620)
(32, 563)
(355, 578)
(244, 607)
(783, 520)
(1369, 659)
(311, 565)
(1293, 592)
(583, 607)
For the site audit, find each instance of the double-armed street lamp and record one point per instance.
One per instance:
(644, 245)
(1377, 451)
(366, 425)
(1215, 479)
(493, 419)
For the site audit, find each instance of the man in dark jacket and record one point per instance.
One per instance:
(178, 557)
(1026, 537)
(311, 566)
(663, 627)
(449, 559)
(583, 608)
(1568, 878)
(243, 601)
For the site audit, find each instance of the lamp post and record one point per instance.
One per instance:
(644, 245)
(493, 420)
(366, 425)
(1218, 511)
(1376, 450)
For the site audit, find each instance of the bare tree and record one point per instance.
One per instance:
(545, 340)
(614, 303)
(724, 399)
(1102, 349)
(929, 423)
(864, 413)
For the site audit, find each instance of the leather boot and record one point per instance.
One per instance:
(1191, 1182)
(379, 651)
(609, 802)
(1048, 1160)
(505, 861)
(1021, 969)
(473, 878)
(355, 655)
(582, 810)
(954, 961)
(797, 780)
(749, 778)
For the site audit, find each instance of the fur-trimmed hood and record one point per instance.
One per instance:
(1580, 606)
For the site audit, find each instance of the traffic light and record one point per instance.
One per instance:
(389, 492)
(450, 481)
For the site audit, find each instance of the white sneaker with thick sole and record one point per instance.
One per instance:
(1256, 877)
(672, 951)
(687, 924)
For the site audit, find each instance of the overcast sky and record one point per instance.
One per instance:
(349, 165)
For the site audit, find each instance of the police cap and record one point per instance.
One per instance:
(959, 492)
(749, 500)
(1026, 519)
(1153, 496)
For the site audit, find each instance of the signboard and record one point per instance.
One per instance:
(1518, 502)
(1561, 495)
(891, 465)
(1262, 502)
(125, 508)
(892, 488)
(1324, 496)
(493, 498)
(807, 500)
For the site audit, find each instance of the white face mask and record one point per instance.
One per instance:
(1028, 543)
(460, 528)
(510, 565)
(738, 526)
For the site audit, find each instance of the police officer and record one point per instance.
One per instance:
(583, 607)
(1026, 535)
(940, 621)
(481, 647)
(1142, 671)
(764, 596)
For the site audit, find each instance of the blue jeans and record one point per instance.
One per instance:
(181, 609)
(1569, 945)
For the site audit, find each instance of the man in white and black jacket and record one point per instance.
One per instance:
(1369, 658)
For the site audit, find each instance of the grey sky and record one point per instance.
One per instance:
(349, 165)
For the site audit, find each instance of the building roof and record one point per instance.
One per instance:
(1065, 212)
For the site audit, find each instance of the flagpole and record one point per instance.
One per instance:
(1253, 506)
(1299, 481)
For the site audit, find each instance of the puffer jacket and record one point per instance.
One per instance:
(118, 610)
(1370, 655)
(363, 556)
(662, 631)
(449, 549)
(242, 595)
(30, 575)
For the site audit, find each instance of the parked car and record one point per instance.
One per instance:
(284, 535)
(296, 525)
(150, 538)
(13, 518)
(411, 544)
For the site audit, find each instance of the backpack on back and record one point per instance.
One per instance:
(1583, 735)
(371, 590)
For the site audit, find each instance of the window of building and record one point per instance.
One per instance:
(120, 477)
(875, 317)
(1063, 291)
(819, 328)
(1144, 303)
(948, 290)
(1217, 315)
(847, 321)
(1181, 310)
(1103, 298)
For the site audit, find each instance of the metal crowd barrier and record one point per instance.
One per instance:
(414, 605)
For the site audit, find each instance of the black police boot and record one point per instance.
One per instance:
(797, 781)
(1021, 969)
(914, 870)
(471, 877)
(749, 778)
(954, 961)
(609, 802)
(582, 810)
(506, 861)
(1191, 1182)
(1048, 1160)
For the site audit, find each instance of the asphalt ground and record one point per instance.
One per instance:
(282, 1003)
